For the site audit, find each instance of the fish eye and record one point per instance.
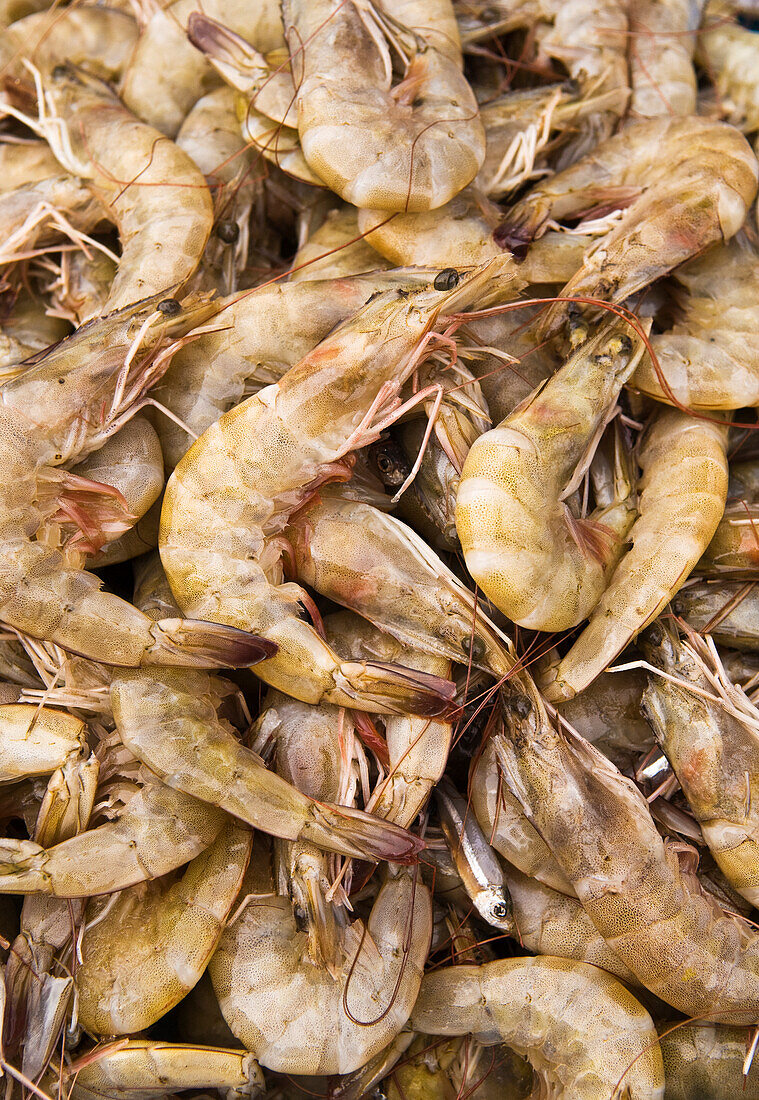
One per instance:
(446, 279)
(500, 910)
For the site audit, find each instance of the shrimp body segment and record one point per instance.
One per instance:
(584, 1034)
(408, 148)
(542, 566)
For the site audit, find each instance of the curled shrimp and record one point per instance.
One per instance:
(651, 911)
(202, 756)
(729, 52)
(150, 188)
(685, 183)
(263, 459)
(297, 1017)
(411, 147)
(36, 742)
(540, 563)
(142, 951)
(662, 40)
(584, 1034)
(682, 498)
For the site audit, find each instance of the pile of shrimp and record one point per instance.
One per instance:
(379, 549)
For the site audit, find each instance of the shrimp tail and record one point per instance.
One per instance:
(516, 233)
(361, 835)
(98, 512)
(194, 643)
(397, 689)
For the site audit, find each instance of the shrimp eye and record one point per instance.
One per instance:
(169, 307)
(475, 646)
(446, 279)
(59, 72)
(655, 634)
(518, 704)
(228, 232)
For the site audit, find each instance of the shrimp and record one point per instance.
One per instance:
(163, 94)
(39, 215)
(61, 409)
(203, 758)
(158, 830)
(36, 742)
(80, 292)
(476, 862)
(608, 713)
(708, 359)
(661, 57)
(417, 748)
(729, 53)
(729, 611)
(144, 950)
(260, 336)
(711, 746)
(585, 1035)
(685, 182)
(652, 912)
(377, 566)
(153, 192)
(266, 457)
(297, 1017)
(407, 148)
(428, 502)
(99, 38)
(146, 1068)
(707, 1061)
(682, 499)
(542, 565)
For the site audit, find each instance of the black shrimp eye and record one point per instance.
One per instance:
(446, 279)
(475, 646)
(517, 704)
(228, 232)
(655, 633)
(169, 307)
(59, 72)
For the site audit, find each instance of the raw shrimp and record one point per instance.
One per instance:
(170, 723)
(728, 610)
(81, 291)
(417, 747)
(146, 1068)
(98, 37)
(651, 911)
(158, 830)
(38, 216)
(685, 183)
(662, 39)
(712, 746)
(295, 1016)
(162, 94)
(730, 53)
(707, 1060)
(476, 862)
(585, 1035)
(150, 188)
(709, 359)
(142, 951)
(540, 563)
(411, 147)
(259, 462)
(608, 713)
(682, 498)
(257, 337)
(36, 742)
(64, 406)
(377, 566)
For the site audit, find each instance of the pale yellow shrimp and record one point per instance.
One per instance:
(62, 408)
(171, 725)
(162, 94)
(707, 1061)
(158, 830)
(711, 744)
(652, 912)
(38, 216)
(295, 1016)
(36, 742)
(542, 564)
(375, 565)
(584, 1034)
(682, 498)
(411, 147)
(100, 38)
(708, 359)
(144, 1068)
(417, 747)
(81, 290)
(260, 336)
(21, 165)
(259, 462)
(144, 950)
(662, 40)
(730, 53)
(149, 188)
(684, 182)
(350, 255)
